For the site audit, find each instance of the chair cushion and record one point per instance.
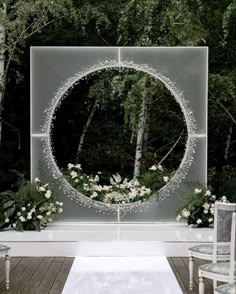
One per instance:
(4, 248)
(226, 289)
(221, 268)
(208, 249)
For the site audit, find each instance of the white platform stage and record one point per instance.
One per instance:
(80, 239)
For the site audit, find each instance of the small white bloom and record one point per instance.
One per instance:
(78, 166)
(29, 216)
(185, 213)
(7, 220)
(197, 191)
(48, 194)
(70, 165)
(32, 210)
(18, 214)
(99, 172)
(28, 204)
(23, 208)
(37, 180)
(22, 219)
(154, 167)
(159, 166)
(178, 218)
(39, 217)
(81, 177)
(199, 221)
(213, 196)
(224, 199)
(49, 220)
(95, 194)
(74, 174)
(60, 210)
(205, 211)
(210, 220)
(208, 193)
(206, 205)
(166, 179)
(42, 189)
(61, 203)
(76, 180)
(48, 213)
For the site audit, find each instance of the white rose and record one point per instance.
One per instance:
(22, 219)
(95, 194)
(166, 179)
(205, 211)
(29, 216)
(48, 194)
(7, 220)
(178, 218)
(76, 180)
(32, 210)
(49, 220)
(154, 167)
(197, 191)
(18, 214)
(70, 165)
(48, 213)
(99, 172)
(39, 217)
(60, 210)
(61, 203)
(36, 180)
(210, 220)
(208, 193)
(23, 208)
(185, 213)
(74, 174)
(42, 189)
(199, 221)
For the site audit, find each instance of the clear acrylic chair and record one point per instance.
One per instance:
(205, 251)
(224, 234)
(226, 289)
(4, 251)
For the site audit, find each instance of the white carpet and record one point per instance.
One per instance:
(121, 275)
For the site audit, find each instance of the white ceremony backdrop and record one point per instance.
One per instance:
(184, 72)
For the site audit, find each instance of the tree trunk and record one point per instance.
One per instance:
(140, 137)
(85, 129)
(2, 68)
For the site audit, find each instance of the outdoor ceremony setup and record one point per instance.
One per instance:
(119, 193)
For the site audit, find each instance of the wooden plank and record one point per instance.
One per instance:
(25, 276)
(177, 275)
(15, 273)
(14, 262)
(38, 276)
(48, 280)
(60, 280)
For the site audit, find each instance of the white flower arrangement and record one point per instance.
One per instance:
(118, 191)
(31, 207)
(198, 208)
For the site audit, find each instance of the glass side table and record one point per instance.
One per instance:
(4, 251)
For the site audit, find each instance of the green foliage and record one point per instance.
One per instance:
(30, 208)
(198, 207)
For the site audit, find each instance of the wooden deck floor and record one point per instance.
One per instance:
(47, 275)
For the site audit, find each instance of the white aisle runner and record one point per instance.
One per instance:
(121, 275)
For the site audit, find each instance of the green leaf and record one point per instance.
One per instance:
(8, 204)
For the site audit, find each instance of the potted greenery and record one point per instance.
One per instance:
(198, 208)
(32, 207)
